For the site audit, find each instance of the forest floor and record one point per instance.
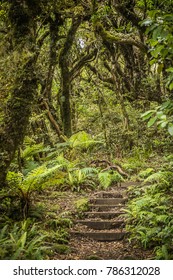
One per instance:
(63, 204)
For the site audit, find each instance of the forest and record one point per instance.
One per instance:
(86, 116)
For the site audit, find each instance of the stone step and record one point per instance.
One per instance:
(108, 201)
(125, 185)
(101, 225)
(104, 194)
(97, 207)
(103, 215)
(101, 236)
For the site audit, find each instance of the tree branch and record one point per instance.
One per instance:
(85, 59)
(119, 38)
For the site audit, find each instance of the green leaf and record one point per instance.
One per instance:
(166, 104)
(146, 22)
(163, 124)
(171, 86)
(157, 51)
(153, 43)
(22, 240)
(152, 121)
(170, 129)
(147, 115)
(170, 69)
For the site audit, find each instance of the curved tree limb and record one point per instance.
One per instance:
(78, 66)
(119, 38)
(110, 166)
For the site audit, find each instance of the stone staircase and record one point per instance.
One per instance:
(104, 220)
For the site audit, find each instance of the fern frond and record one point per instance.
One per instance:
(104, 179)
(40, 175)
(14, 179)
(161, 177)
(32, 150)
(82, 140)
(89, 171)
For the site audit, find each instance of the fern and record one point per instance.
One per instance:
(21, 241)
(37, 177)
(89, 171)
(105, 179)
(82, 140)
(32, 150)
(163, 178)
(149, 216)
(145, 173)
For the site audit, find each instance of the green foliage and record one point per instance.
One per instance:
(79, 178)
(136, 163)
(161, 116)
(145, 173)
(59, 223)
(105, 179)
(32, 150)
(108, 178)
(22, 241)
(149, 216)
(163, 179)
(159, 29)
(61, 248)
(81, 205)
(82, 140)
(33, 181)
(60, 236)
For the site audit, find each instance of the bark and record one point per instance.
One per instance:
(66, 77)
(119, 38)
(17, 117)
(24, 91)
(54, 37)
(53, 122)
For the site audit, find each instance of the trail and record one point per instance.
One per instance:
(101, 234)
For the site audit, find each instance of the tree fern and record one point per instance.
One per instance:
(40, 175)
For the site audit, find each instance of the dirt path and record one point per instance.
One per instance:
(100, 234)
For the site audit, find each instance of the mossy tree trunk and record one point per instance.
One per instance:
(24, 91)
(66, 78)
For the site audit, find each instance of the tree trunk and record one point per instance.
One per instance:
(19, 106)
(66, 78)
(17, 117)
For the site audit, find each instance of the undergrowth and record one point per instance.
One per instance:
(149, 214)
